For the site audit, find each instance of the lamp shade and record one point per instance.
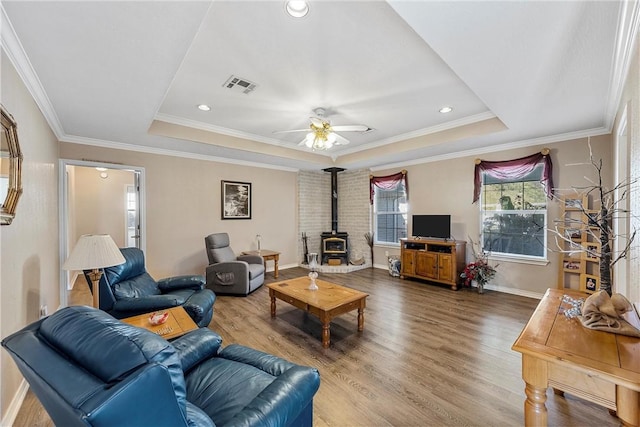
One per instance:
(94, 251)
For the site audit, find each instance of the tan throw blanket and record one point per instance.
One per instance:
(604, 313)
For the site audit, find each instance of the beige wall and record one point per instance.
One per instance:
(446, 187)
(98, 205)
(183, 206)
(29, 272)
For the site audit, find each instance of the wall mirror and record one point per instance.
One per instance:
(10, 168)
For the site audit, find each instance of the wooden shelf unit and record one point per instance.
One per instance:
(440, 261)
(579, 271)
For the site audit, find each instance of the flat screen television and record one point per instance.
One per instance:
(431, 226)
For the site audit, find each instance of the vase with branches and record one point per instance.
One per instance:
(368, 236)
(599, 224)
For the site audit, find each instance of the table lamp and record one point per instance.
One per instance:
(93, 252)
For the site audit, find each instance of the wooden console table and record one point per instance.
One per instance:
(439, 261)
(267, 254)
(600, 367)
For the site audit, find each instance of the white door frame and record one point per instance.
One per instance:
(622, 225)
(63, 226)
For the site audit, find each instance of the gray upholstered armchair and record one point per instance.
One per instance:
(228, 274)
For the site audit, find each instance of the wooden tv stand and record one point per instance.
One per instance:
(440, 261)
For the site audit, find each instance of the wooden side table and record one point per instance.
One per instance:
(178, 323)
(559, 352)
(267, 254)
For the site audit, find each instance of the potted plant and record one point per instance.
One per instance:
(479, 270)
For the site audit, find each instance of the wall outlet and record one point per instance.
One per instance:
(386, 253)
(44, 311)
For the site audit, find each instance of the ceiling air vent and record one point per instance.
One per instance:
(238, 84)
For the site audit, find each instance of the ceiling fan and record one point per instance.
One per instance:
(321, 135)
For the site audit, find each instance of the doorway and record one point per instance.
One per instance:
(99, 198)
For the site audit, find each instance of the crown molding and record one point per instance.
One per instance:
(500, 147)
(476, 118)
(175, 120)
(626, 38)
(16, 54)
(334, 155)
(167, 152)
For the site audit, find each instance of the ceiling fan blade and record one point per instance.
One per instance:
(350, 128)
(340, 140)
(290, 131)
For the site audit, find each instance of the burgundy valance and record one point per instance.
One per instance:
(516, 169)
(388, 182)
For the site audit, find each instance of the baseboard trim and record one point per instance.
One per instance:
(270, 267)
(514, 291)
(15, 405)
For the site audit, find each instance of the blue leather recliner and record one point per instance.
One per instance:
(89, 369)
(128, 290)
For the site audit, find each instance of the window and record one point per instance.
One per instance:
(131, 218)
(390, 214)
(514, 215)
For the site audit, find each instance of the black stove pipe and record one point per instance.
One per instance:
(334, 197)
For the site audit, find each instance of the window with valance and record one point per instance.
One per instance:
(389, 199)
(513, 198)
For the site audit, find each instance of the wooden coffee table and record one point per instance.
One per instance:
(178, 323)
(329, 301)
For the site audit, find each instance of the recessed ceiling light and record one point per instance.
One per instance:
(204, 107)
(446, 109)
(297, 8)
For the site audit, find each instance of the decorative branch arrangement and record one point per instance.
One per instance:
(598, 224)
(368, 236)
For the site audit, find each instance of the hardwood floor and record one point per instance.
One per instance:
(428, 356)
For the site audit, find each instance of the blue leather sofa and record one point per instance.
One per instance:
(128, 290)
(89, 369)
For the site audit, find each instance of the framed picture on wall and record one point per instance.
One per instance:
(236, 200)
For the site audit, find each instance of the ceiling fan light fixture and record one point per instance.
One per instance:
(308, 141)
(446, 109)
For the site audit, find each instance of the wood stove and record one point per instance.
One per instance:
(334, 247)
(334, 244)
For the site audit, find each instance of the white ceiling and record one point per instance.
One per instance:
(130, 75)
